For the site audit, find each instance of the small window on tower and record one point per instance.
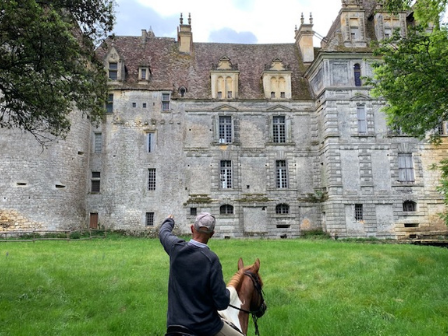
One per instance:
(165, 101)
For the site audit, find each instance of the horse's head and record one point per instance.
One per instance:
(251, 291)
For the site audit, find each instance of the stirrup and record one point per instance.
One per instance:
(178, 330)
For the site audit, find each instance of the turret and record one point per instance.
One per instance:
(185, 36)
(304, 39)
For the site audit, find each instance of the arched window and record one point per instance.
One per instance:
(221, 87)
(409, 206)
(357, 74)
(229, 86)
(226, 209)
(282, 208)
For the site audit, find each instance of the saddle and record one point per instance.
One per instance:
(178, 330)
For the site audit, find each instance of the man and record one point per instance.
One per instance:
(196, 288)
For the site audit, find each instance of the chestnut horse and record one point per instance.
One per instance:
(247, 299)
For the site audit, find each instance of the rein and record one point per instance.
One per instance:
(261, 309)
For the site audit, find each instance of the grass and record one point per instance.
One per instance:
(118, 286)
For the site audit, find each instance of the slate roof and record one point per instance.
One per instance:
(171, 70)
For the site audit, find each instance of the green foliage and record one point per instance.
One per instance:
(425, 11)
(412, 79)
(315, 234)
(48, 65)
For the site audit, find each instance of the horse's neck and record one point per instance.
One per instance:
(231, 314)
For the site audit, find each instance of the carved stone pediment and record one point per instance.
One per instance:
(225, 108)
(279, 108)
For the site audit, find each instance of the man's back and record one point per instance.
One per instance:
(196, 289)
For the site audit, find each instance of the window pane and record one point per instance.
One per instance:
(226, 174)
(98, 143)
(149, 142)
(362, 122)
(357, 74)
(113, 71)
(405, 168)
(225, 129)
(358, 212)
(95, 186)
(110, 103)
(152, 179)
(282, 209)
(226, 209)
(150, 219)
(281, 178)
(278, 130)
(165, 101)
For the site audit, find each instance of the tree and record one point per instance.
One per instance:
(411, 76)
(48, 65)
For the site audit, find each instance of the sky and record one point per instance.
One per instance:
(230, 21)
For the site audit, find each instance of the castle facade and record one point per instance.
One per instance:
(273, 139)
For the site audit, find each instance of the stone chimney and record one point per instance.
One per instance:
(304, 39)
(185, 36)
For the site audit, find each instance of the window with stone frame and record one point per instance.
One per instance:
(278, 129)
(362, 119)
(144, 73)
(282, 208)
(226, 174)
(165, 102)
(359, 214)
(442, 128)
(225, 129)
(281, 177)
(110, 103)
(405, 167)
(409, 206)
(226, 209)
(151, 179)
(357, 74)
(149, 218)
(113, 70)
(97, 142)
(95, 182)
(149, 142)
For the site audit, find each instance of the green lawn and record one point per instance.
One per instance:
(118, 286)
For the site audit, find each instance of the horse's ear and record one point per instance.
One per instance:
(240, 263)
(257, 264)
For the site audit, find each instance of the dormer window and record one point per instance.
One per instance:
(113, 70)
(182, 91)
(277, 80)
(386, 24)
(114, 66)
(224, 80)
(144, 73)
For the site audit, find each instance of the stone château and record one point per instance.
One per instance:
(273, 139)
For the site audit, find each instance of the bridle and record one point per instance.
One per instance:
(259, 312)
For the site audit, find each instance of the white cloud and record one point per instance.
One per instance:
(274, 23)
